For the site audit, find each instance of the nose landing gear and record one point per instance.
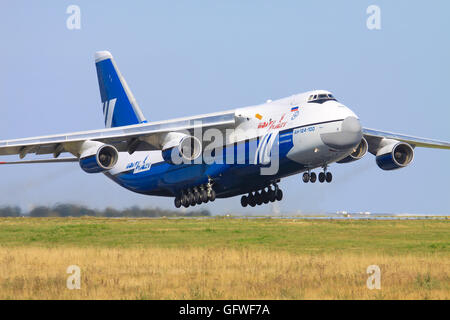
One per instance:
(323, 176)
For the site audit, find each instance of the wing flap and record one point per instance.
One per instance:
(40, 161)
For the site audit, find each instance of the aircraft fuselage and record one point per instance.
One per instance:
(301, 134)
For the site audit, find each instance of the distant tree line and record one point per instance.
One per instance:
(73, 210)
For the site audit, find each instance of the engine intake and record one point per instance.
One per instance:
(359, 152)
(395, 156)
(182, 149)
(99, 158)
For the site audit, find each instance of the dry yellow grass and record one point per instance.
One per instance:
(201, 273)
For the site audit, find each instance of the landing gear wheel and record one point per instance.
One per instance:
(312, 177)
(251, 200)
(258, 198)
(177, 202)
(272, 195)
(279, 195)
(185, 200)
(212, 195)
(192, 200)
(244, 201)
(329, 177)
(321, 177)
(265, 196)
(197, 198)
(305, 177)
(204, 196)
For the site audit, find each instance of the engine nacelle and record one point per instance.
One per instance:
(98, 157)
(395, 156)
(181, 148)
(359, 152)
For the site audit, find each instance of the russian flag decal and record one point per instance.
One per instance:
(294, 109)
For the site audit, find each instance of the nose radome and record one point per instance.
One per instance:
(347, 137)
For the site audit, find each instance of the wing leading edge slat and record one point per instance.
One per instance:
(415, 141)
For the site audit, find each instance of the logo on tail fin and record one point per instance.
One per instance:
(119, 105)
(108, 111)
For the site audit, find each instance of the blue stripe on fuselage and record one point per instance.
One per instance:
(167, 180)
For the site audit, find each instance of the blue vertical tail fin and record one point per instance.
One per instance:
(119, 105)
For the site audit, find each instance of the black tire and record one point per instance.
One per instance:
(212, 195)
(199, 198)
(177, 202)
(313, 177)
(272, 196)
(305, 177)
(321, 177)
(244, 201)
(265, 196)
(279, 195)
(329, 177)
(185, 201)
(258, 198)
(191, 199)
(204, 196)
(251, 200)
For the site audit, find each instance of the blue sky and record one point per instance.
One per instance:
(189, 57)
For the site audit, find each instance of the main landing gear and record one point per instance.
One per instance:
(265, 195)
(323, 176)
(194, 196)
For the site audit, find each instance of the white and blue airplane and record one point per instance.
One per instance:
(245, 151)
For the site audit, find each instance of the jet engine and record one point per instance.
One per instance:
(394, 156)
(98, 157)
(181, 148)
(359, 152)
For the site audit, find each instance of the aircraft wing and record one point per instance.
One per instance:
(374, 136)
(59, 160)
(144, 136)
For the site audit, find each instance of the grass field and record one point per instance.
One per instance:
(223, 258)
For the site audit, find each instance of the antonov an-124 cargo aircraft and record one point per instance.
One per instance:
(245, 151)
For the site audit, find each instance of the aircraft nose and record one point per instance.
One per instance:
(349, 135)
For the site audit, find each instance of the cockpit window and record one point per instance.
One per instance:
(321, 98)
